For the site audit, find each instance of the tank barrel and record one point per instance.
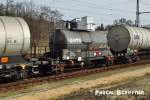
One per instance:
(122, 37)
(15, 35)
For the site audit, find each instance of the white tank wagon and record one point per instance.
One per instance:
(15, 35)
(14, 42)
(122, 37)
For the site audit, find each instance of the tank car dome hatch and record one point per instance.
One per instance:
(15, 35)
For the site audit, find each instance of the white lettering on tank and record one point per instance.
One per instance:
(75, 40)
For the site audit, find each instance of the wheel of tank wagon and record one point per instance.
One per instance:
(106, 63)
(20, 74)
(17, 76)
(54, 69)
(137, 58)
(110, 63)
(62, 67)
(82, 65)
(129, 60)
(24, 74)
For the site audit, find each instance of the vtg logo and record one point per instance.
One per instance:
(75, 40)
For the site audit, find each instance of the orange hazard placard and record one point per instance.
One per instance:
(4, 59)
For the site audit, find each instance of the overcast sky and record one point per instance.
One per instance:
(104, 11)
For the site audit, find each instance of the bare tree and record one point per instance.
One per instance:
(123, 21)
(2, 9)
(100, 28)
(41, 19)
(8, 6)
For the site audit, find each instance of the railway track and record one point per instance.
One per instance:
(22, 84)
